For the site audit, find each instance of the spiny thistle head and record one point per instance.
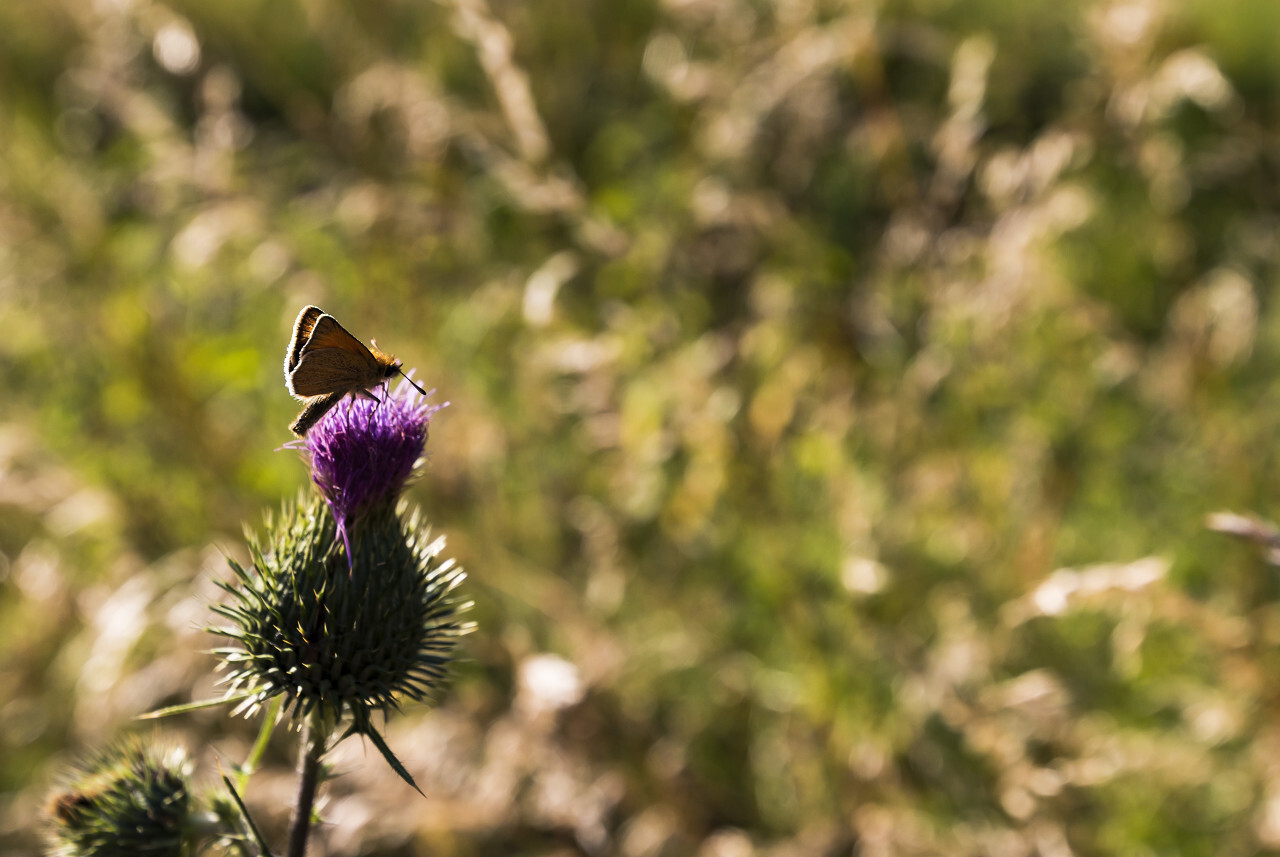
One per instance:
(347, 607)
(131, 799)
(336, 636)
(363, 452)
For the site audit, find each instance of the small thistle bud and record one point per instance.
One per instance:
(131, 799)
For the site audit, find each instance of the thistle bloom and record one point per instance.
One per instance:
(355, 634)
(362, 453)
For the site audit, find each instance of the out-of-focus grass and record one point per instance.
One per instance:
(838, 391)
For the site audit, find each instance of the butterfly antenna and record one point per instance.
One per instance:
(415, 384)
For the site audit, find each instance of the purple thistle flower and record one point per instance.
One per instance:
(363, 452)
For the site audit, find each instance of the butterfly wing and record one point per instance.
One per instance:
(327, 333)
(329, 360)
(329, 370)
(302, 330)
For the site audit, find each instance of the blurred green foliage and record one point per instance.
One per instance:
(840, 388)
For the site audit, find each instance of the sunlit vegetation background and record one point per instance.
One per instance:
(838, 391)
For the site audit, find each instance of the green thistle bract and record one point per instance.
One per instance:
(337, 637)
(130, 800)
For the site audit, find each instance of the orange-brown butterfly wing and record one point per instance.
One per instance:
(328, 359)
(327, 333)
(324, 358)
(332, 370)
(302, 329)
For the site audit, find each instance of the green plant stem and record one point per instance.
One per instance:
(259, 750)
(310, 751)
(241, 845)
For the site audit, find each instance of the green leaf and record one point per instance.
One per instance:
(386, 754)
(244, 813)
(192, 706)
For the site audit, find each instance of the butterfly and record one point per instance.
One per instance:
(324, 363)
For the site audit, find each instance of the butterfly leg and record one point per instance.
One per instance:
(368, 395)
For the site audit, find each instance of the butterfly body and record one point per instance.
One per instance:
(325, 363)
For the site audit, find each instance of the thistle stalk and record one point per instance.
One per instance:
(311, 751)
